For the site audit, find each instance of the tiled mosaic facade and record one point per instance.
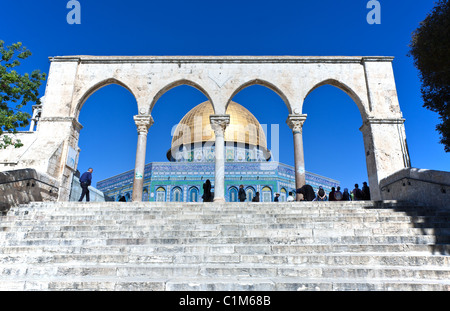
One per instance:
(183, 181)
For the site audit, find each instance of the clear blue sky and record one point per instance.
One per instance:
(332, 141)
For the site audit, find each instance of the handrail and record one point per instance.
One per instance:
(30, 178)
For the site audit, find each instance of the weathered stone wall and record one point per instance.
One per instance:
(24, 186)
(420, 185)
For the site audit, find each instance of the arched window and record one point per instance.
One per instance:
(250, 191)
(266, 194)
(145, 194)
(177, 194)
(233, 194)
(160, 194)
(193, 194)
(283, 195)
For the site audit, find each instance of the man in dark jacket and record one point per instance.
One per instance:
(85, 182)
(207, 195)
(241, 194)
(308, 192)
(366, 192)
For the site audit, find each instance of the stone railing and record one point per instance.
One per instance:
(423, 186)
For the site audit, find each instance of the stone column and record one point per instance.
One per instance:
(295, 122)
(143, 123)
(219, 124)
(386, 150)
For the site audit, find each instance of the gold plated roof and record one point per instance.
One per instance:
(195, 127)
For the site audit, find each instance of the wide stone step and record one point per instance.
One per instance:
(335, 222)
(79, 232)
(187, 271)
(381, 239)
(206, 211)
(218, 284)
(264, 249)
(82, 225)
(344, 259)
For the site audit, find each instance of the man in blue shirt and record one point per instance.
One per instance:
(85, 181)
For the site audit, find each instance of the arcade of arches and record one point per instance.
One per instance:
(53, 148)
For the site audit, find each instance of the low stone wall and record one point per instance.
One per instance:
(24, 186)
(95, 195)
(423, 186)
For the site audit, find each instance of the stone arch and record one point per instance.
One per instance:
(340, 91)
(174, 84)
(97, 86)
(266, 84)
(346, 89)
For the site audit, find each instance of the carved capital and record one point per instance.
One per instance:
(295, 122)
(143, 123)
(219, 123)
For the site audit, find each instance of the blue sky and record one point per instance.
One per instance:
(332, 141)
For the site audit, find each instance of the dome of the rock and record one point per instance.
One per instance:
(244, 135)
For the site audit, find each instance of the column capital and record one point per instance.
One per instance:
(295, 122)
(219, 123)
(143, 123)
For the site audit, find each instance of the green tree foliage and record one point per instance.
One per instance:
(430, 48)
(16, 91)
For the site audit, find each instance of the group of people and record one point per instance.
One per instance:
(356, 194)
(307, 191)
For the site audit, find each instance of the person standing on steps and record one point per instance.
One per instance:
(290, 198)
(357, 193)
(346, 195)
(308, 193)
(277, 197)
(331, 194)
(85, 182)
(207, 196)
(365, 192)
(241, 194)
(338, 194)
(256, 197)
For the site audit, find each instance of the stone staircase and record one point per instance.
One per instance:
(337, 246)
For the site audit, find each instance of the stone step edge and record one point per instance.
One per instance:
(282, 260)
(428, 249)
(230, 279)
(201, 266)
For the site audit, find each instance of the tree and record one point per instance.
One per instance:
(430, 48)
(16, 91)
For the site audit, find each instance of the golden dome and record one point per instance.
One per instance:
(195, 127)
